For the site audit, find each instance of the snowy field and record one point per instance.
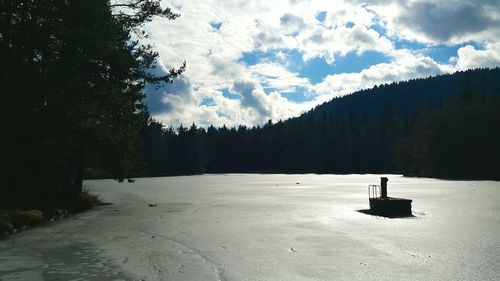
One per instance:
(266, 227)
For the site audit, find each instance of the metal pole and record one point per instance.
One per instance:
(383, 186)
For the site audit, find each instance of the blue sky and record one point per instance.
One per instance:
(251, 61)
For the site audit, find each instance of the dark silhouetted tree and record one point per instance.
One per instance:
(73, 74)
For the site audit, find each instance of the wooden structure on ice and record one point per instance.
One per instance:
(381, 204)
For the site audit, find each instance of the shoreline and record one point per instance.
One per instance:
(16, 220)
(232, 227)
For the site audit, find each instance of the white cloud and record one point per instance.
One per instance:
(329, 43)
(214, 55)
(469, 57)
(343, 13)
(276, 76)
(182, 104)
(253, 96)
(436, 22)
(405, 67)
(292, 23)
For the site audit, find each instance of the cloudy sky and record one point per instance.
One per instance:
(251, 61)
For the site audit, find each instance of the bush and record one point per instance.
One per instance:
(12, 221)
(20, 219)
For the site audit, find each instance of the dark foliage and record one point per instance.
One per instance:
(72, 82)
(461, 140)
(444, 126)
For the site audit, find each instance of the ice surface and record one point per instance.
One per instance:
(266, 227)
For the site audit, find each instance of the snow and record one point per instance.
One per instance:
(266, 227)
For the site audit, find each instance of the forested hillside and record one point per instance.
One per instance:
(406, 97)
(444, 126)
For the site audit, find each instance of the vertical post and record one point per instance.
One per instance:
(383, 187)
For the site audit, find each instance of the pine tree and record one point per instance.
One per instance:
(73, 79)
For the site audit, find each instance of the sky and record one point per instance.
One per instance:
(253, 61)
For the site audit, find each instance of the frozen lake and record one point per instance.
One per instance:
(266, 227)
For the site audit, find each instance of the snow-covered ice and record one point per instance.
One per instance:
(266, 227)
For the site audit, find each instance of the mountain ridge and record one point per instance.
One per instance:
(407, 96)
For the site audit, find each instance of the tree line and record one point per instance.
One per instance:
(452, 136)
